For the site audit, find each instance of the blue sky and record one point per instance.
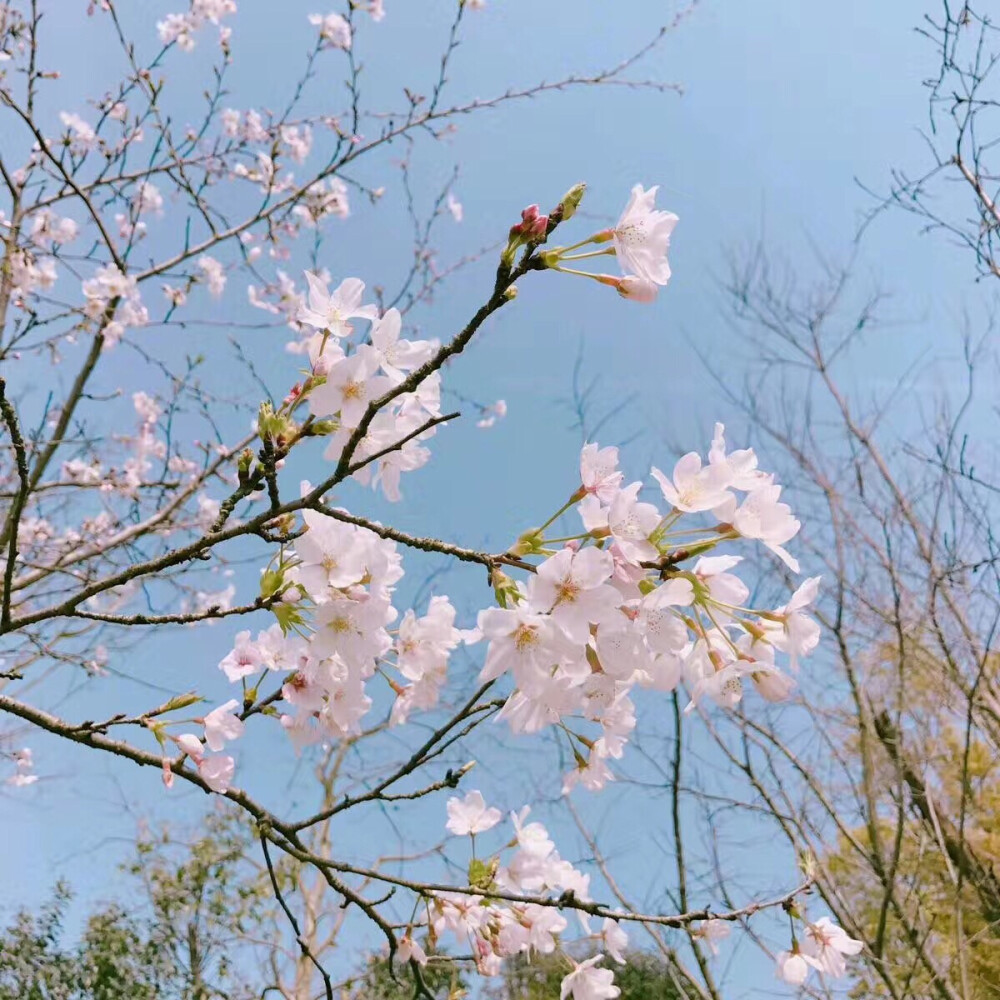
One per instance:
(786, 106)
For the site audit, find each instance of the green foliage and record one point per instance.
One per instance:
(179, 940)
(114, 959)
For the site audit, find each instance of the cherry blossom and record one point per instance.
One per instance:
(571, 587)
(351, 384)
(792, 968)
(642, 236)
(737, 468)
(789, 629)
(522, 641)
(763, 517)
(637, 289)
(215, 275)
(47, 229)
(408, 948)
(333, 30)
(24, 763)
(599, 472)
(332, 312)
(491, 414)
(631, 522)
(82, 136)
(587, 982)
(615, 940)
(245, 658)
(180, 28)
(693, 487)
(216, 771)
(826, 945)
(331, 554)
(471, 815)
(223, 726)
(586, 621)
(713, 931)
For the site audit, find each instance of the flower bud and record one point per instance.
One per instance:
(571, 201)
(539, 227)
(528, 543)
(510, 293)
(321, 366)
(181, 701)
(243, 465)
(320, 428)
(504, 588)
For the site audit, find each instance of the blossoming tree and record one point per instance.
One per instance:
(622, 584)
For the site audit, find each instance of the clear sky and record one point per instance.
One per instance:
(786, 105)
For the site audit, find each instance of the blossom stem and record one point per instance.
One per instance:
(562, 510)
(583, 274)
(590, 253)
(576, 246)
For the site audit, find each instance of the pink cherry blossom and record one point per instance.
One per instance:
(471, 815)
(642, 236)
(222, 725)
(217, 772)
(244, 659)
(599, 472)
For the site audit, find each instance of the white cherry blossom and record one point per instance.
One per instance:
(222, 725)
(827, 945)
(333, 311)
(471, 815)
(642, 236)
(587, 982)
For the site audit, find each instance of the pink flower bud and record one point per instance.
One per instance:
(538, 227)
(530, 213)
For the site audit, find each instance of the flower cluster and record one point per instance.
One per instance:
(500, 928)
(222, 725)
(110, 287)
(180, 28)
(640, 241)
(343, 577)
(617, 606)
(823, 948)
(423, 647)
(334, 31)
(345, 382)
